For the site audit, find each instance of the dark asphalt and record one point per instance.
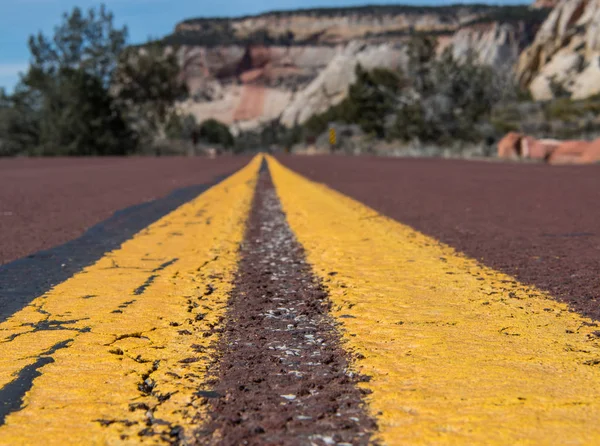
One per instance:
(27, 278)
(539, 223)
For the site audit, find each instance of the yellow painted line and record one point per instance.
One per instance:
(138, 326)
(458, 353)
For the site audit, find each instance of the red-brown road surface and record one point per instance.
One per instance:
(231, 322)
(46, 202)
(539, 223)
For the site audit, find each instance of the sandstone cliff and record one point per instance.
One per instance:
(330, 87)
(333, 26)
(288, 66)
(495, 44)
(565, 54)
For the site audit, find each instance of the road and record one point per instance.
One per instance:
(46, 202)
(322, 300)
(532, 221)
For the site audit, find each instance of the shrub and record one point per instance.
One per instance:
(180, 127)
(215, 132)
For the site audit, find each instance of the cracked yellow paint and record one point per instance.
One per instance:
(457, 353)
(141, 327)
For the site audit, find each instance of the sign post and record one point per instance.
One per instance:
(332, 138)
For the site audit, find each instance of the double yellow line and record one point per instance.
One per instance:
(457, 353)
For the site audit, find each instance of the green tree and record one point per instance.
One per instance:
(371, 98)
(88, 42)
(215, 132)
(180, 127)
(80, 118)
(86, 94)
(62, 105)
(421, 57)
(19, 124)
(147, 82)
(448, 97)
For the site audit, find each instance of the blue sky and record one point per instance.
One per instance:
(145, 18)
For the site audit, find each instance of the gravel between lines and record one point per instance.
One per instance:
(283, 377)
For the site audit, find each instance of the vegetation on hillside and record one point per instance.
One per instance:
(562, 118)
(514, 14)
(374, 10)
(438, 100)
(222, 34)
(373, 96)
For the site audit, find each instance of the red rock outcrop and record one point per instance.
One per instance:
(518, 146)
(538, 149)
(509, 147)
(577, 152)
(251, 104)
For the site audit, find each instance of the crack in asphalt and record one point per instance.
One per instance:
(13, 393)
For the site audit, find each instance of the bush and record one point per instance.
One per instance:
(450, 98)
(272, 134)
(215, 132)
(180, 127)
(370, 98)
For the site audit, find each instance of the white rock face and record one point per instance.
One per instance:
(566, 49)
(493, 44)
(331, 85)
(587, 82)
(562, 68)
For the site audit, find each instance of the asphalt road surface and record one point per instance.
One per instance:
(539, 223)
(46, 202)
(298, 300)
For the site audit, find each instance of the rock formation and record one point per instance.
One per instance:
(288, 66)
(565, 55)
(339, 25)
(330, 87)
(540, 4)
(518, 146)
(496, 44)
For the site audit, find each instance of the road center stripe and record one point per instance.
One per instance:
(457, 352)
(283, 377)
(119, 350)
